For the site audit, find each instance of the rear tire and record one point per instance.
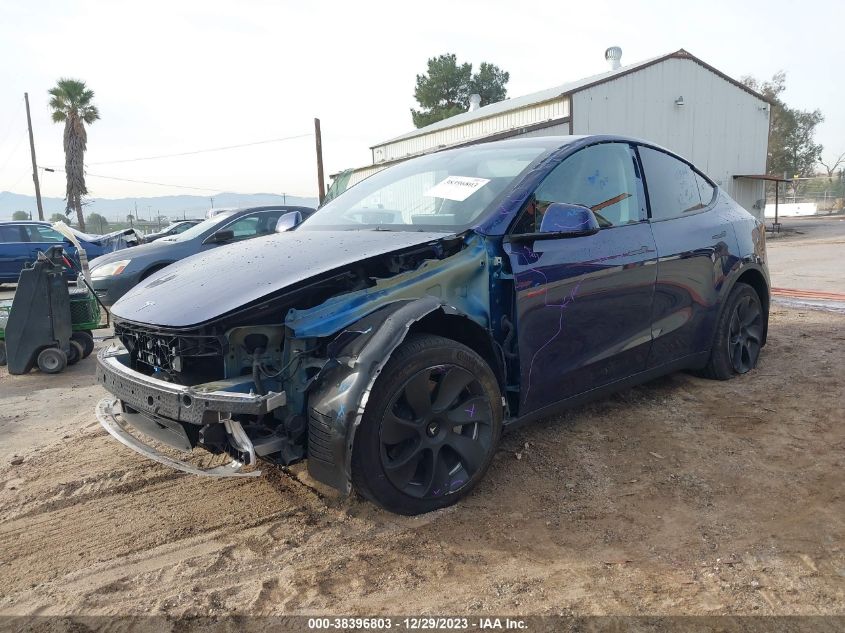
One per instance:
(74, 354)
(2, 353)
(739, 335)
(85, 340)
(430, 428)
(52, 360)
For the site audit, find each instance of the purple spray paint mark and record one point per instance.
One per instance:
(471, 410)
(562, 306)
(341, 412)
(567, 300)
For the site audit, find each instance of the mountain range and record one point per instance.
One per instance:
(170, 206)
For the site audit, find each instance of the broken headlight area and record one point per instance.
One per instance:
(234, 393)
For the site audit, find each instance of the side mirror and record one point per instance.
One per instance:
(222, 236)
(287, 221)
(563, 220)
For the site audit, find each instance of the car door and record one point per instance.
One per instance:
(583, 304)
(693, 245)
(14, 251)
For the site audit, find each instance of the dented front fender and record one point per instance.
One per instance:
(337, 400)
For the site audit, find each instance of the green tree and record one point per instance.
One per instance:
(20, 215)
(444, 90)
(791, 146)
(71, 102)
(489, 83)
(98, 221)
(58, 217)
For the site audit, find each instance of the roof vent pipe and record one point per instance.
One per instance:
(613, 55)
(474, 102)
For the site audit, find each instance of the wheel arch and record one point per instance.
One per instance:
(755, 278)
(459, 327)
(356, 357)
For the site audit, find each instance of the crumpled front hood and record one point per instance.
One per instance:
(211, 284)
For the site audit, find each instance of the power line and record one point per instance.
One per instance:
(143, 182)
(201, 151)
(148, 182)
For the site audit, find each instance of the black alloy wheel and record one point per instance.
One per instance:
(739, 335)
(430, 427)
(436, 432)
(745, 334)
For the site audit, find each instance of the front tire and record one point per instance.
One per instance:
(739, 335)
(430, 429)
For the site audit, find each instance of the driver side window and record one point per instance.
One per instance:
(604, 178)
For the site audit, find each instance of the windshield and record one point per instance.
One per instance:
(202, 227)
(447, 190)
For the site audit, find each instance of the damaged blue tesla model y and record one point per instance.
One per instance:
(391, 336)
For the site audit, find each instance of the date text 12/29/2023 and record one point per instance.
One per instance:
(417, 624)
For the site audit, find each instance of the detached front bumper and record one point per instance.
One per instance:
(176, 415)
(109, 415)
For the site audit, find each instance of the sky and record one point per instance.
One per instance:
(180, 76)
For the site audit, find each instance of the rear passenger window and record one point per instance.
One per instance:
(673, 190)
(43, 234)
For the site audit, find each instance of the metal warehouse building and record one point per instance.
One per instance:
(674, 100)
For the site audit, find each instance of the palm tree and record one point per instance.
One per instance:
(71, 101)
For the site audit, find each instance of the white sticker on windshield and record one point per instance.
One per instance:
(457, 188)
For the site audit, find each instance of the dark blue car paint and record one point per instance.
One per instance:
(592, 313)
(14, 256)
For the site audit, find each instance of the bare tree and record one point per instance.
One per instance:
(832, 167)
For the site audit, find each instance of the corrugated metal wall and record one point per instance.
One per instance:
(523, 117)
(720, 128)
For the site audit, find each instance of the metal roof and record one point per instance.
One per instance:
(559, 91)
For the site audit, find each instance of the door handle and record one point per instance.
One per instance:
(719, 236)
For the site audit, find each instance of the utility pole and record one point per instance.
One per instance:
(34, 164)
(212, 202)
(320, 182)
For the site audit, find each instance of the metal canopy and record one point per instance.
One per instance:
(769, 178)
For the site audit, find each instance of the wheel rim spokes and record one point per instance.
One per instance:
(454, 381)
(745, 334)
(436, 432)
(418, 394)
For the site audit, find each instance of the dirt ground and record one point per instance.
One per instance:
(683, 496)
